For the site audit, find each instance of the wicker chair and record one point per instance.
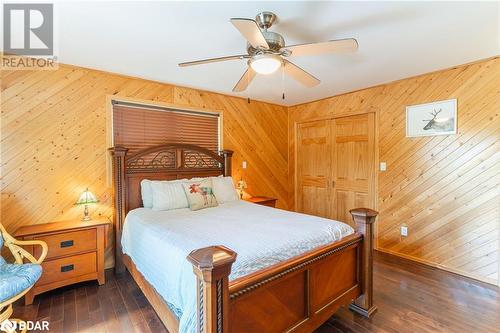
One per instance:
(18, 278)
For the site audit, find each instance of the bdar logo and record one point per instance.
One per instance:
(7, 326)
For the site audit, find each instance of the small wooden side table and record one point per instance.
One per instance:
(76, 253)
(264, 201)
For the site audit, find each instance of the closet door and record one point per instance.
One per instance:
(313, 168)
(353, 169)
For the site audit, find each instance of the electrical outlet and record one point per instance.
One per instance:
(383, 166)
(244, 164)
(404, 230)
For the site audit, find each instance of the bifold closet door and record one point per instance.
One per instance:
(335, 169)
(313, 168)
(353, 165)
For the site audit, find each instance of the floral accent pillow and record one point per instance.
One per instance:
(200, 194)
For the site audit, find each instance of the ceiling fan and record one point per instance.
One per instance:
(267, 51)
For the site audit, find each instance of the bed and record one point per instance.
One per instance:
(235, 273)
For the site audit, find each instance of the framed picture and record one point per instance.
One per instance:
(436, 118)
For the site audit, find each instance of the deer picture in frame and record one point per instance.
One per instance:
(445, 124)
(437, 118)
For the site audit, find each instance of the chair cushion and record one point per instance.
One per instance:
(2, 260)
(14, 279)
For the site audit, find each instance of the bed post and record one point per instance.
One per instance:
(227, 154)
(212, 266)
(119, 184)
(364, 219)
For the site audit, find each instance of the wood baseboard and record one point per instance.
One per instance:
(439, 266)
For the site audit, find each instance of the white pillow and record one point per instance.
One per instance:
(146, 193)
(224, 189)
(168, 195)
(147, 190)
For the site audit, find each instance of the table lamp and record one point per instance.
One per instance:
(86, 198)
(241, 186)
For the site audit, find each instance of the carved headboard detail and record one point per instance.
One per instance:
(179, 157)
(163, 162)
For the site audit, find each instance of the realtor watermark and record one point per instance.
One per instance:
(17, 325)
(28, 36)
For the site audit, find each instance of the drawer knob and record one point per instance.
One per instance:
(67, 268)
(67, 243)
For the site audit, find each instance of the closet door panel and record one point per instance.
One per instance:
(361, 199)
(313, 168)
(343, 200)
(335, 166)
(352, 143)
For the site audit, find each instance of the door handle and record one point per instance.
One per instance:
(333, 183)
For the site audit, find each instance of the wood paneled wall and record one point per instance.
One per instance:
(53, 145)
(54, 130)
(444, 188)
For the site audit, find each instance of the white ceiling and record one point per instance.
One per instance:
(396, 40)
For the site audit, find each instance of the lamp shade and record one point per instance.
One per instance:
(242, 184)
(86, 198)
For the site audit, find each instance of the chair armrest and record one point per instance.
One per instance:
(20, 253)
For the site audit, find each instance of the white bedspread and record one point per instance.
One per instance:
(159, 241)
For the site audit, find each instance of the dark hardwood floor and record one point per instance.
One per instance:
(410, 298)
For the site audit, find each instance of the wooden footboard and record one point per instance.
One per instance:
(297, 295)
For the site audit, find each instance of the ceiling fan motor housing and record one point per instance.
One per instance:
(273, 39)
(265, 19)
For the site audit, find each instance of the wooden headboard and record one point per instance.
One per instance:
(163, 162)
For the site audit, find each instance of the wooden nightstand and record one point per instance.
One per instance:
(264, 201)
(76, 253)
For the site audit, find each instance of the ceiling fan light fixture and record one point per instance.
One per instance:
(266, 52)
(265, 63)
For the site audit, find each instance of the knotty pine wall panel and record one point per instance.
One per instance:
(54, 131)
(445, 188)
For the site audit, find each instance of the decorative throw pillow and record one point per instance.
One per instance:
(224, 189)
(168, 195)
(200, 194)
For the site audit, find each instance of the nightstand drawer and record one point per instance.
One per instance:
(68, 267)
(68, 243)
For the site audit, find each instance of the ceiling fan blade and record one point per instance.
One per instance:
(300, 75)
(251, 31)
(245, 80)
(206, 61)
(333, 46)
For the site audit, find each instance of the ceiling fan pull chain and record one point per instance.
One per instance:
(283, 80)
(248, 85)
